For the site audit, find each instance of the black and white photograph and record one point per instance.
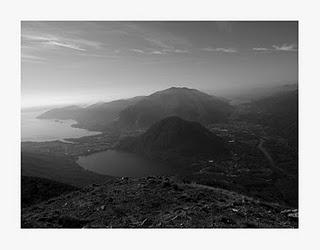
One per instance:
(159, 124)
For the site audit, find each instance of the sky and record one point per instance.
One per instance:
(69, 62)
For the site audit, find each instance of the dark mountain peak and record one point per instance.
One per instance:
(180, 91)
(173, 119)
(175, 136)
(173, 132)
(176, 124)
(176, 89)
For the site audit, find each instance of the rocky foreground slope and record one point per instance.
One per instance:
(156, 202)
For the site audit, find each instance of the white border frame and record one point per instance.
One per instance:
(12, 12)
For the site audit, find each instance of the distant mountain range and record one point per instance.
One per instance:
(174, 138)
(278, 112)
(96, 117)
(142, 112)
(242, 94)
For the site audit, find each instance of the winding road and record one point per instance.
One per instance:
(265, 152)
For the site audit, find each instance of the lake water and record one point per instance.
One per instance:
(33, 129)
(117, 163)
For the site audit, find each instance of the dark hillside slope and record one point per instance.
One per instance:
(174, 137)
(58, 168)
(35, 190)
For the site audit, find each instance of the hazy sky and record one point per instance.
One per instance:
(66, 62)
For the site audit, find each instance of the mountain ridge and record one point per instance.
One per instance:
(143, 111)
(189, 104)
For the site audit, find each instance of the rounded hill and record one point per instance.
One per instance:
(174, 135)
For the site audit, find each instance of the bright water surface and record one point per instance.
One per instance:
(33, 129)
